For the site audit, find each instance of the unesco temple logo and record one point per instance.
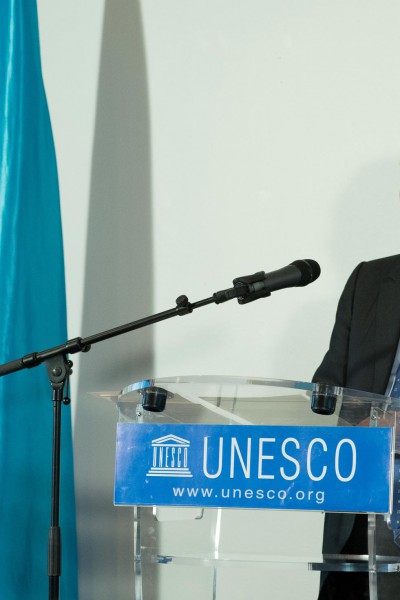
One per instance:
(170, 457)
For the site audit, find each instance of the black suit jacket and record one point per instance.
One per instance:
(367, 329)
(361, 353)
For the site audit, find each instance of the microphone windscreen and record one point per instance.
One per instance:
(309, 269)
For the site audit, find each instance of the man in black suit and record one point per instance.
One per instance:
(363, 356)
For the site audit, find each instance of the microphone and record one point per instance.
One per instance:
(260, 285)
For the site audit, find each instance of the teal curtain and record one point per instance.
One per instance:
(32, 318)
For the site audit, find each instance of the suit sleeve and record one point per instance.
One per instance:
(333, 368)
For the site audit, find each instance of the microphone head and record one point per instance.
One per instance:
(309, 270)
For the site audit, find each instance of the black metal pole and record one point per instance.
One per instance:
(54, 541)
(58, 370)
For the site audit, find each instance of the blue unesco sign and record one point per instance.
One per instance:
(334, 469)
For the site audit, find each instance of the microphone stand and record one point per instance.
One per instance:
(59, 369)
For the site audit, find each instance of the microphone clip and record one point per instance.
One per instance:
(253, 292)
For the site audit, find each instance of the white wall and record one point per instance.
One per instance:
(199, 141)
(274, 125)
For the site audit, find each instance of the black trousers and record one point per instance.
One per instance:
(337, 585)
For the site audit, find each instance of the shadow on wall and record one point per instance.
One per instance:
(118, 289)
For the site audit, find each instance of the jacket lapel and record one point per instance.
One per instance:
(388, 329)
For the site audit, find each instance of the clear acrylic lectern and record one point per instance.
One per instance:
(231, 479)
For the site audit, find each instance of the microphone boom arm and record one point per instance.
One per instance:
(246, 289)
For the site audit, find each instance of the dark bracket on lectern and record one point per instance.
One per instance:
(154, 399)
(324, 398)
